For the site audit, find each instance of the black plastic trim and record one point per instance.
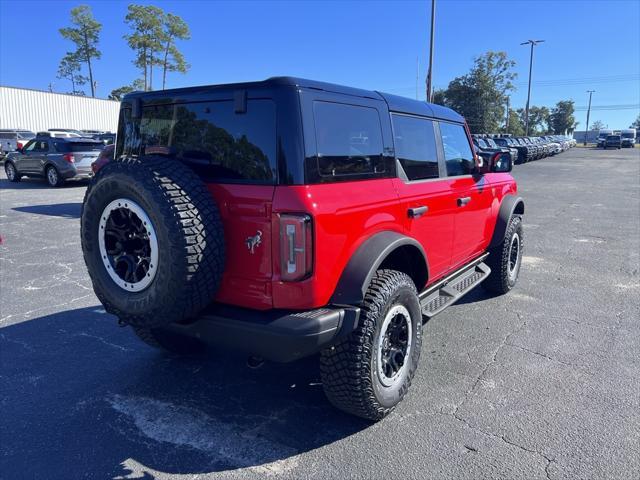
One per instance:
(507, 209)
(357, 275)
(276, 335)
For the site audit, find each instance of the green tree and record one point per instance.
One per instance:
(481, 95)
(636, 123)
(173, 61)
(69, 69)
(561, 119)
(538, 119)
(85, 34)
(597, 125)
(120, 92)
(146, 23)
(515, 127)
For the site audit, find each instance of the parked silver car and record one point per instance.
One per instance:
(55, 159)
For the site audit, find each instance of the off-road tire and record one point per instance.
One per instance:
(348, 369)
(189, 234)
(169, 341)
(16, 176)
(500, 280)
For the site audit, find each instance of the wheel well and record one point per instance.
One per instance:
(408, 259)
(519, 210)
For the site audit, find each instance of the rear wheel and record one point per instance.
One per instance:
(53, 177)
(505, 259)
(12, 173)
(370, 372)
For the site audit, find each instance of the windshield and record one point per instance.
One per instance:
(26, 135)
(628, 135)
(613, 137)
(491, 143)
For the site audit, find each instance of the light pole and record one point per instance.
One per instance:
(586, 133)
(533, 43)
(430, 71)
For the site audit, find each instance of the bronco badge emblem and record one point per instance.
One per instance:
(253, 242)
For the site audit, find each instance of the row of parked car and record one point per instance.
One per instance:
(13, 139)
(522, 149)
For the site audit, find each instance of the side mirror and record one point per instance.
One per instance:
(501, 163)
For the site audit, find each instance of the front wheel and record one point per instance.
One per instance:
(505, 259)
(370, 372)
(12, 173)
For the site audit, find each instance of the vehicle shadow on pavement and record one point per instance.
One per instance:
(65, 210)
(83, 397)
(37, 183)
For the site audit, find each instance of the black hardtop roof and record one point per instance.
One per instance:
(395, 102)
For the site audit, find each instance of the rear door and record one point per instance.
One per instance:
(471, 192)
(424, 190)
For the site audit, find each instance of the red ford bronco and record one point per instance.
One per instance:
(291, 217)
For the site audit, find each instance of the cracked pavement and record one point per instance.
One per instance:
(541, 383)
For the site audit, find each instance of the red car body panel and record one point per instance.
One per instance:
(450, 234)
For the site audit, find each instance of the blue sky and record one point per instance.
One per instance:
(589, 45)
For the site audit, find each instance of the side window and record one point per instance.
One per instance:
(348, 139)
(457, 151)
(30, 146)
(415, 147)
(42, 146)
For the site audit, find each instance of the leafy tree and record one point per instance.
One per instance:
(480, 96)
(85, 34)
(636, 123)
(515, 128)
(561, 119)
(146, 23)
(173, 61)
(69, 69)
(597, 125)
(538, 119)
(120, 92)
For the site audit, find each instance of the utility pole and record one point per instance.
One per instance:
(533, 43)
(586, 133)
(430, 74)
(506, 123)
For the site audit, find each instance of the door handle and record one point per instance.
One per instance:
(463, 201)
(417, 212)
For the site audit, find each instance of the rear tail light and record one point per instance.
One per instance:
(19, 145)
(296, 246)
(68, 157)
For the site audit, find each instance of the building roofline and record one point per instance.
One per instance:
(58, 93)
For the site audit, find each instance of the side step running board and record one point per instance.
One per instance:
(436, 298)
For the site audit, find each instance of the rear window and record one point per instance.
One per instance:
(215, 141)
(67, 147)
(348, 140)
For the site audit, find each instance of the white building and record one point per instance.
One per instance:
(36, 110)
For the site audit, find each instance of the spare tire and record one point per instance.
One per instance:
(152, 241)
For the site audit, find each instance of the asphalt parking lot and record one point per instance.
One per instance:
(541, 383)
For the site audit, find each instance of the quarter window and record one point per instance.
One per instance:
(415, 147)
(457, 151)
(348, 139)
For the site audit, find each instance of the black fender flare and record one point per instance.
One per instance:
(511, 205)
(357, 275)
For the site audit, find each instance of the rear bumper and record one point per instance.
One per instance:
(276, 335)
